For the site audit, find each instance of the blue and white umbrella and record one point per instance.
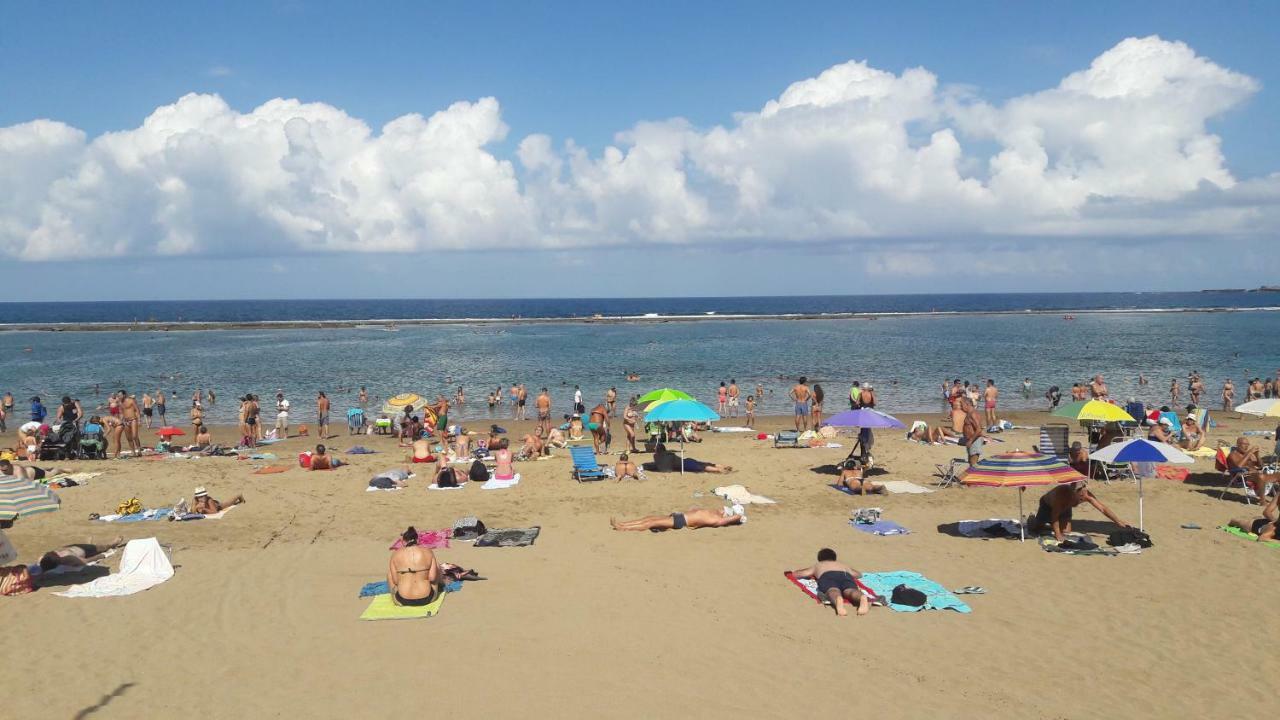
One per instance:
(1139, 450)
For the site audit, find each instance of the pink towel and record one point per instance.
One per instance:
(433, 539)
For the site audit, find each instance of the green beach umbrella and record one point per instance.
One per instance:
(663, 395)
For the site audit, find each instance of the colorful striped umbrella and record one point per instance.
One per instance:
(20, 497)
(1021, 470)
(1095, 410)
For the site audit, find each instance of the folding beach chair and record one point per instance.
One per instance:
(355, 421)
(585, 465)
(949, 473)
(1139, 413)
(1115, 471)
(786, 438)
(1053, 440)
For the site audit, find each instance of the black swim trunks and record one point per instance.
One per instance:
(678, 519)
(836, 580)
(1044, 515)
(1258, 524)
(416, 602)
(37, 473)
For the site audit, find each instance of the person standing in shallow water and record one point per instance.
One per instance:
(734, 393)
(322, 415)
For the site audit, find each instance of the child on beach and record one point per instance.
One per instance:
(751, 411)
(837, 582)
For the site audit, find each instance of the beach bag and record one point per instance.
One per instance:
(129, 507)
(909, 596)
(304, 459)
(478, 472)
(867, 516)
(1129, 536)
(1220, 460)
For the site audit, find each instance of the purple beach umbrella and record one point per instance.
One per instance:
(864, 418)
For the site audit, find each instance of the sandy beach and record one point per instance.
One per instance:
(260, 619)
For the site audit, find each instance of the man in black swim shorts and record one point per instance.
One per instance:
(837, 583)
(694, 518)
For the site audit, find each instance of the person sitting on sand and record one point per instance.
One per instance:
(205, 505)
(1264, 527)
(462, 444)
(76, 555)
(556, 439)
(922, 432)
(1193, 436)
(837, 582)
(1244, 460)
(1162, 431)
(625, 469)
(502, 467)
(321, 460)
(1078, 458)
(851, 477)
(693, 518)
(1056, 508)
(413, 575)
(30, 473)
(576, 427)
(204, 438)
(533, 447)
(666, 461)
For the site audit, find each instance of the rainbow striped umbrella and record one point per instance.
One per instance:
(20, 497)
(1021, 470)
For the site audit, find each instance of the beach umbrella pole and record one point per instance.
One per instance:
(1022, 519)
(1140, 503)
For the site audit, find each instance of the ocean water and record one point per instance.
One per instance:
(905, 357)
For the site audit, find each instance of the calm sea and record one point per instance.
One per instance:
(906, 357)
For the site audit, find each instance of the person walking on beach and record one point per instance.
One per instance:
(801, 395)
(160, 406)
(322, 415)
(522, 398)
(1228, 394)
(543, 403)
(1196, 386)
(611, 400)
(722, 397)
(282, 416)
(971, 432)
(855, 395)
(148, 408)
(130, 418)
(837, 582)
(1175, 392)
(197, 417)
(989, 397)
(734, 392)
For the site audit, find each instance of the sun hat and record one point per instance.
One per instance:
(201, 492)
(1166, 421)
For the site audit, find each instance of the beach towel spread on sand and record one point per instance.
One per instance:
(153, 514)
(1048, 544)
(432, 539)
(1249, 536)
(382, 588)
(205, 516)
(993, 528)
(495, 484)
(382, 608)
(271, 469)
(509, 537)
(901, 487)
(809, 586)
(881, 527)
(143, 565)
(739, 495)
(937, 597)
(361, 450)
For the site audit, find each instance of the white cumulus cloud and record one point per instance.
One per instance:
(1120, 148)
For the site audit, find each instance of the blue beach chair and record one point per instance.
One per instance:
(585, 465)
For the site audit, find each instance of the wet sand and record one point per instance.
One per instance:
(260, 619)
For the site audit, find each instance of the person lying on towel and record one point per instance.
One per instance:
(851, 471)
(667, 461)
(205, 505)
(76, 555)
(413, 576)
(1056, 507)
(1265, 526)
(32, 473)
(626, 468)
(837, 582)
(694, 518)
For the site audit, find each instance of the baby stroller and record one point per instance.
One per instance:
(355, 421)
(93, 442)
(62, 444)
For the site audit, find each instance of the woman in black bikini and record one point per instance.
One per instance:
(414, 576)
(1265, 526)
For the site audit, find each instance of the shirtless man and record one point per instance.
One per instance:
(533, 447)
(734, 392)
(1228, 394)
(522, 399)
(600, 433)
(611, 400)
(148, 410)
(626, 469)
(972, 436)
(693, 519)
(1244, 460)
(802, 396)
(1056, 508)
(543, 403)
(322, 415)
(630, 417)
(76, 555)
(837, 582)
(1098, 388)
(989, 396)
(130, 419)
(1264, 527)
(957, 414)
(205, 505)
(160, 406)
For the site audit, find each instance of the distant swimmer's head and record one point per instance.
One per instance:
(826, 555)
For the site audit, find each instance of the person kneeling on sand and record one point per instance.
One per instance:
(76, 555)
(694, 518)
(667, 461)
(413, 575)
(837, 582)
(533, 447)
(626, 468)
(1265, 526)
(1056, 508)
(205, 505)
(851, 471)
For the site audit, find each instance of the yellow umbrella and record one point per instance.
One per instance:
(397, 404)
(1094, 410)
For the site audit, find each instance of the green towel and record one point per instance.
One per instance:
(1249, 536)
(382, 608)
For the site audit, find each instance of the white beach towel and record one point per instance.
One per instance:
(501, 484)
(434, 486)
(739, 495)
(143, 565)
(904, 486)
(732, 429)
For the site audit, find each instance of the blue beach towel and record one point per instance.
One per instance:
(361, 450)
(381, 588)
(939, 598)
(882, 527)
(156, 514)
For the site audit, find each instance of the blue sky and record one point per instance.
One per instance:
(584, 73)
